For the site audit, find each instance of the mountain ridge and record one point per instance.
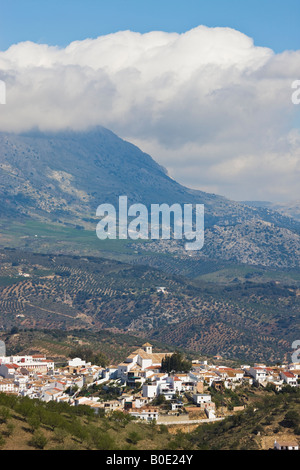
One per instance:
(290, 209)
(62, 177)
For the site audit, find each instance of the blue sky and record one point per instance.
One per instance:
(272, 23)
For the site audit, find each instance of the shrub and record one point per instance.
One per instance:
(2, 441)
(60, 435)
(38, 440)
(33, 422)
(9, 429)
(134, 437)
(4, 414)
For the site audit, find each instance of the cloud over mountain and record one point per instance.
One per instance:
(207, 104)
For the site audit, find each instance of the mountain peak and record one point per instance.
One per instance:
(63, 177)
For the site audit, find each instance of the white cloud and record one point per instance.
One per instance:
(208, 104)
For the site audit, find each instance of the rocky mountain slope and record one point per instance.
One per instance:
(63, 177)
(290, 209)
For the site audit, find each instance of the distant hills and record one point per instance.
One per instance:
(62, 177)
(251, 320)
(291, 209)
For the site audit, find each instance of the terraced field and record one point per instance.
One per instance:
(248, 320)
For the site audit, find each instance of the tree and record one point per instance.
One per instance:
(102, 440)
(159, 400)
(4, 414)
(134, 437)
(33, 422)
(52, 419)
(291, 419)
(175, 363)
(10, 429)
(14, 330)
(38, 440)
(163, 429)
(60, 435)
(120, 417)
(87, 354)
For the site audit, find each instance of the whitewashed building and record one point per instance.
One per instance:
(201, 398)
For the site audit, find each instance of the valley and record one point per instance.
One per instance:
(238, 320)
